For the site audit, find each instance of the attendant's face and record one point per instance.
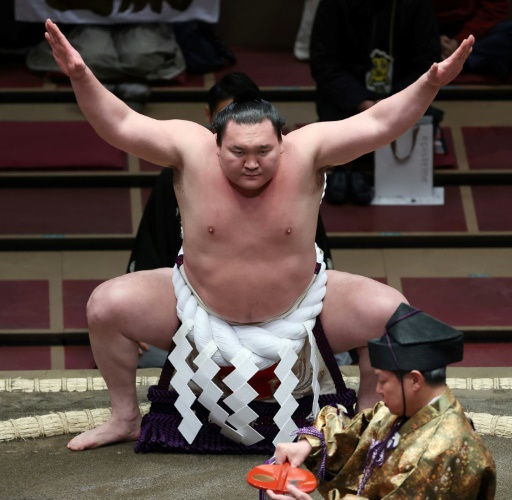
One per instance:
(249, 154)
(389, 388)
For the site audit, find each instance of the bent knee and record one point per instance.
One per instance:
(391, 301)
(108, 301)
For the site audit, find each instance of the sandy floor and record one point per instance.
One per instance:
(44, 468)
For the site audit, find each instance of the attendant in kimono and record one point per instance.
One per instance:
(416, 443)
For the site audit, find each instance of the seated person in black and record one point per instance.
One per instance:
(361, 52)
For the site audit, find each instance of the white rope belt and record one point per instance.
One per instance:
(249, 348)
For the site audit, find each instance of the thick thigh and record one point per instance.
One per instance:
(142, 305)
(356, 309)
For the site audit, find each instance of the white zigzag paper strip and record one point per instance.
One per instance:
(190, 425)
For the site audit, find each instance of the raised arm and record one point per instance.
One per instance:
(339, 142)
(113, 120)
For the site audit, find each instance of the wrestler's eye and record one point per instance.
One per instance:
(238, 153)
(264, 152)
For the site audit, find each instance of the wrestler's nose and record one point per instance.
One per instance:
(251, 164)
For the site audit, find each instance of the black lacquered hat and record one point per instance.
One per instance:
(414, 340)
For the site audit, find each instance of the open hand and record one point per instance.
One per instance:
(444, 72)
(68, 59)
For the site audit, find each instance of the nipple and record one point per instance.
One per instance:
(211, 229)
(288, 230)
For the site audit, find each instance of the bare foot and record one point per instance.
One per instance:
(113, 431)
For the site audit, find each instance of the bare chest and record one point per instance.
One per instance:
(215, 210)
(265, 240)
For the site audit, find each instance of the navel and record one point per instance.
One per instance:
(211, 229)
(288, 230)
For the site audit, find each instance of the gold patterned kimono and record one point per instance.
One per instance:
(438, 455)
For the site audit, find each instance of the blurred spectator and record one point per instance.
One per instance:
(363, 51)
(129, 51)
(488, 21)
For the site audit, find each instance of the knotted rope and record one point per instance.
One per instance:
(262, 341)
(98, 384)
(58, 423)
(64, 384)
(70, 422)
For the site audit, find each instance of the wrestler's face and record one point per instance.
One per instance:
(389, 388)
(249, 155)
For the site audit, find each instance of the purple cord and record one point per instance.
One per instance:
(388, 340)
(376, 454)
(313, 431)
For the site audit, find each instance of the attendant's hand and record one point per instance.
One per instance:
(294, 453)
(68, 59)
(293, 492)
(444, 72)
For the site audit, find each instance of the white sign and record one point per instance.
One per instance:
(116, 11)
